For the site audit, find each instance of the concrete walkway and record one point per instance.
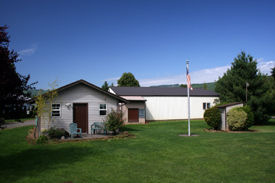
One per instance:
(19, 124)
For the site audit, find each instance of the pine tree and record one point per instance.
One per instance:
(260, 93)
(105, 86)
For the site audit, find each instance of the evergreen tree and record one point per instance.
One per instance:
(105, 86)
(273, 72)
(183, 86)
(128, 79)
(261, 95)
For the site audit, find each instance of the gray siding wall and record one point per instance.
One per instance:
(224, 111)
(222, 124)
(82, 94)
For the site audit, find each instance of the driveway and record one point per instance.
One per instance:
(18, 124)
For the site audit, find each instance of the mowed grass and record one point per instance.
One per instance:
(157, 154)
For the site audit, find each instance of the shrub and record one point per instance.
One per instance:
(113, 120)
(240, 118)
(42, 139)
(54, 132)
(250, 117)
(212, 116)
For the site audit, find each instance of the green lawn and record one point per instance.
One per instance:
(157, 154)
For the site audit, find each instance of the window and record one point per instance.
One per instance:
(205, 105)
(102, 109)
(56, 110)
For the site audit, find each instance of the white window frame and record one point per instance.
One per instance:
(103, 109)
(206, 105)
(56, 109)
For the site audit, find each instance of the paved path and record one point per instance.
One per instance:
(18, 124)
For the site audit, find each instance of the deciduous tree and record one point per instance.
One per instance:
(44, 104)
(12, 84)
(128, 79)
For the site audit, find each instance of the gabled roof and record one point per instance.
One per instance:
(227, 105)
(161, 91)
(81, 81)
(134, 98)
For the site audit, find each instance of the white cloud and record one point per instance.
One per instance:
(265, 67)
(205, 75)
(29, 51)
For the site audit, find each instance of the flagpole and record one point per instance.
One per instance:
(188, 103)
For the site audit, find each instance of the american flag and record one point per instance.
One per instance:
(188, 77)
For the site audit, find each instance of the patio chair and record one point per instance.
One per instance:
(98, 126)
(74, 130)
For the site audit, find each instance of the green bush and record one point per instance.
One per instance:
(113, 120)
(240, 118)
(54, 132)
(212, 116)
(250, 117)
(42, 139)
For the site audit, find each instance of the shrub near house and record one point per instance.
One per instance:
(113, 120)
(240, 118)
(212, 116)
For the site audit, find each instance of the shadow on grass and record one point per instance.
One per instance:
(128, 128)
(35, 161)
(271, 122)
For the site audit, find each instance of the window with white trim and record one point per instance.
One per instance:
(102, 109)
(56, 110)
(206, 105)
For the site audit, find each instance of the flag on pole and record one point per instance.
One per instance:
(188, 77)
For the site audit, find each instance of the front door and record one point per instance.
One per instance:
(133, 115)
(81, 116)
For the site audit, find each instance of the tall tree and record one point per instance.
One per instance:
(128, 79)
(12, 84)
(260, 93)
(105, 86)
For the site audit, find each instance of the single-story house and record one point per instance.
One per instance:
(83, 103)
(224, 110)
(160, 103)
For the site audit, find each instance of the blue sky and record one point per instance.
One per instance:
(100, 40)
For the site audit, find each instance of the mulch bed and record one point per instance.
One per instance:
(223, 131)
(122, 135)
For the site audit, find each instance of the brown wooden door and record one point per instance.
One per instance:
(133, 115)
(81, 116)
